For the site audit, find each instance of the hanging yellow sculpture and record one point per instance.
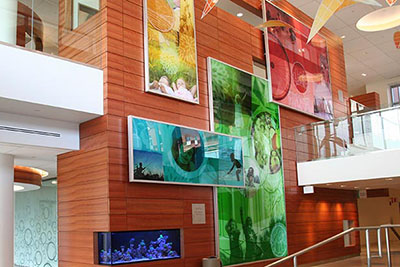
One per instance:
(274, 23)
(330, 7)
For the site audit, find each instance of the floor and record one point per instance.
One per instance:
(362, 260)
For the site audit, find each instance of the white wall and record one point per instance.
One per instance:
(68, 138)
(377, 211)
(49, 82)
(359, 91)
(372, 165)
(8, 21)
(382, 88)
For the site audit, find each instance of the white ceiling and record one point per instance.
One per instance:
(393, 183)
(373, 53)
(33, 156)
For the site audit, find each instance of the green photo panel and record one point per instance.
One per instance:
(167, 153)
(251, 221)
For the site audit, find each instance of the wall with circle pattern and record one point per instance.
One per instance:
(36, 228)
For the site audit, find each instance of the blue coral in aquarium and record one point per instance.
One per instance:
(138, 246)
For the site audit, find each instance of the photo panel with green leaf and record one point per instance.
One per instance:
(251, 221)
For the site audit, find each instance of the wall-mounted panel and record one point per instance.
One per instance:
(251, 222)
(168, 153)
(170, 49)
(299, 71)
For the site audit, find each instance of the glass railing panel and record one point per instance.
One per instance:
(391, 128)
(81, 31)
(68, 28)
(353, 135)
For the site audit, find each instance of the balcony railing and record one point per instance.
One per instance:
(67, 28)
(348, 136)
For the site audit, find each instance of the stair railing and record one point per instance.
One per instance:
(367, 230)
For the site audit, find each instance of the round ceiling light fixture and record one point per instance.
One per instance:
(18, 188)
(379, 20)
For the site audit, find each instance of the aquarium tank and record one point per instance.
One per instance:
(138, 246)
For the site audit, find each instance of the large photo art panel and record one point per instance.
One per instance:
(167, 153)
(251, 221)
(299, 71)
(170, 49)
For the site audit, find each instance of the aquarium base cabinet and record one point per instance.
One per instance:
(114, 248)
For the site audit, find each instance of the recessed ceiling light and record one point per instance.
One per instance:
(240, 14)
(328, 184)
(343, 36)
(379, 20)
(367, 188)
(54, 182)
(364, 74)
(389, 179)
(356, 187)
(342, 185)
(18, 188)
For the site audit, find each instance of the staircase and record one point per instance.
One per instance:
(380, 255)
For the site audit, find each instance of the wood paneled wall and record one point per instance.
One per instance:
(371, 100)
(94, 192)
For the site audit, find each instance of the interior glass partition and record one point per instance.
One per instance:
(67, 28)
(347, 136)
(35, 235)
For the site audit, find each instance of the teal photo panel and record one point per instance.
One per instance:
(167, 153)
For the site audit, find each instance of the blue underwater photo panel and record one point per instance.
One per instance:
(167, 153)
(139, 246)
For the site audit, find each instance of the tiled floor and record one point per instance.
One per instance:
(362, 261)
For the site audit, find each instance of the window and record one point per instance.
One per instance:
(394, 94)
(83, 10)
(259, 69)
(349, 239)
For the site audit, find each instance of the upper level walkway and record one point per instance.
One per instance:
(363, 147)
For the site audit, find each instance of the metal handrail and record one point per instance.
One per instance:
(348, 231)
(352, 116)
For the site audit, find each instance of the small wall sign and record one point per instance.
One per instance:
(198, 214)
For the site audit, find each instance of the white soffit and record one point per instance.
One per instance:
(372, 165)
(41, 85)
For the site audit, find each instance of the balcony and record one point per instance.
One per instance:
(50, 76)
(68, 28)
(359, 151)
(51, 59)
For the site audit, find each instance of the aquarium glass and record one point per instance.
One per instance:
(138, 246)
(251, 221)
(166, 153)
(170, 49)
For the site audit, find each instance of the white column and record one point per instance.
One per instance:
(6, 210)
(8, 21)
